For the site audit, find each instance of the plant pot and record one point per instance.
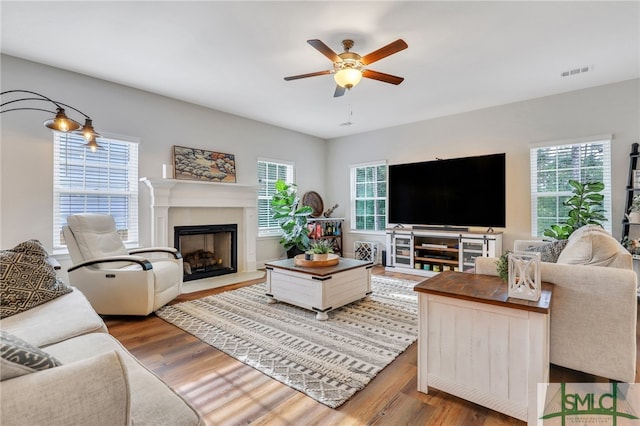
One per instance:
(321, 256)
(293, 252)
(634, 217)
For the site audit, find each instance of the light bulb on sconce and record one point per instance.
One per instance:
(92, 145)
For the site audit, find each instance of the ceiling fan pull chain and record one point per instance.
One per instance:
(350, 110)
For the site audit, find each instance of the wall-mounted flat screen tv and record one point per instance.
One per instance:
(466, 191)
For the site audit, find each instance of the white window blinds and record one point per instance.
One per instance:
(105, 181)
(269, 171)
(551, 169)
(369, 197)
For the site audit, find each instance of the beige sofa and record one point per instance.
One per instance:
(99, 381)
(593, 308)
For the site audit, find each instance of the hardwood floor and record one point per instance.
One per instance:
(227, 392)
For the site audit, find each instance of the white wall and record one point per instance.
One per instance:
(26, 148)
(611, 109)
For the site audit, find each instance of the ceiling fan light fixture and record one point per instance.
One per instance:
(348, 77)
(348, 67)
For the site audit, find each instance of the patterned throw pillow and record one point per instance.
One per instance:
(27, 279)
(18, 357)
(551, 251)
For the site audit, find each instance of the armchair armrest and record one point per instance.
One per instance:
(170, 250)
(92, 391)
(144, 263)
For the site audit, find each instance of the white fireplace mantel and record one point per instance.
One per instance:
(171, 193)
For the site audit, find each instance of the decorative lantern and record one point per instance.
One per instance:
(524, 275)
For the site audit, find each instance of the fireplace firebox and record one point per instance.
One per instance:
(207, 250)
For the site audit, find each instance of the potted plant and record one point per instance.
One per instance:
(634, 210)
(321, 249)
(291, 217)
(632, 245)
(502, 266)
(585, 208)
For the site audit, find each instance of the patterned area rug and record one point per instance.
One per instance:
(327, 360)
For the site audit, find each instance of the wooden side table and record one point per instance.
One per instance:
(476, 343)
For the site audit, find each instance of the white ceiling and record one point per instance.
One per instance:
(232, 56)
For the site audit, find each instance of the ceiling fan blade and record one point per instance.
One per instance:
(339, 91)
(385, 51)
(311, 74)
(325, 50)
(380, 76)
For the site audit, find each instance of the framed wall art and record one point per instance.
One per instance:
(200, 164)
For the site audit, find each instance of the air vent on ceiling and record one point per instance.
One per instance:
(577, 71)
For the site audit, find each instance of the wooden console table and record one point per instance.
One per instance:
(478, 344)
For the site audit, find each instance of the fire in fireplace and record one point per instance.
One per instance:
(207, 250)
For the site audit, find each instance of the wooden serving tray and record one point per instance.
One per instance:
(332, 260)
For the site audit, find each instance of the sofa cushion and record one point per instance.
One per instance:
(549, 252)
(152, 401)
(590, 245)
(18, 357)
(62, 318)
(27, 279)
(92, 391)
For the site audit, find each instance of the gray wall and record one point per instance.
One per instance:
(513, 128)
(26, 170)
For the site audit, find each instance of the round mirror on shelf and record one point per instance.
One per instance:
(313, 200)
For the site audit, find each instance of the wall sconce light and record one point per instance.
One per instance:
(60, 122)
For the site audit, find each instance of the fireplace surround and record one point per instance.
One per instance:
(207, 250)
(183, 203)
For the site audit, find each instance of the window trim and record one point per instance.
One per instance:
(607, 204)
(134, 192)
(271, 232)
(352, 196)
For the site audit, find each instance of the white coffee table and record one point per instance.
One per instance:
(318, 289)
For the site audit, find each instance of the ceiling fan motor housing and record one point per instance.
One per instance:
(349, 60)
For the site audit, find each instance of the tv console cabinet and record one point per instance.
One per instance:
(427, 252)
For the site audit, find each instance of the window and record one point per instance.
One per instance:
(369, 197)
(551, 169)
(105, 181)
(269, 171)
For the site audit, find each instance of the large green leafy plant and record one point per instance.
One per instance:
(585, 208)
(291, 216)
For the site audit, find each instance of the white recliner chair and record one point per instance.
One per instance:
(118, 281)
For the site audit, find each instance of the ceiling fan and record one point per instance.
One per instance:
(349, 67)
